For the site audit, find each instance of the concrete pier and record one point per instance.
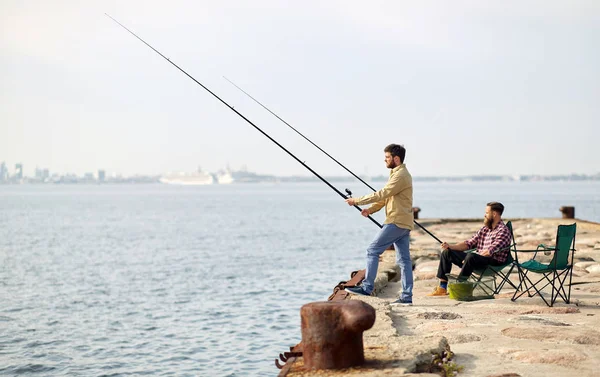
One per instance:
(495, 337)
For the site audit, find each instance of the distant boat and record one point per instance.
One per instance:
(224, 177)
(189, 179)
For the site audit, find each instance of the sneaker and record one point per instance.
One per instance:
(439, 291)
(402, 302)
(357, 291)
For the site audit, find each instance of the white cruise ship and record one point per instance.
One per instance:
(180, 178)
(224, 177)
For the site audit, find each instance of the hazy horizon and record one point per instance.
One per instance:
(306, 174)
(469, 88)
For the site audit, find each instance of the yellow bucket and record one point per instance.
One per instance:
(460, 290)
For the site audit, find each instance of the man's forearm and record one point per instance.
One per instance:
(459, 246)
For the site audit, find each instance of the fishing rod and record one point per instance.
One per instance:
(243, 117)
(299, 133)
(319, 148)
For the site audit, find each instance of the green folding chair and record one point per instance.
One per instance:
(554, 273)
(478, 276)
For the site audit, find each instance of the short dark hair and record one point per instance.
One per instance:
(396, 150)
(496, 207)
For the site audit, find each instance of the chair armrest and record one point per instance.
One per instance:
(546, 247)
(545, 251)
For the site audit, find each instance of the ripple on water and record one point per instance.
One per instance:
(17, 310)
(82, 348)
(27, 369)
(175, 358)
(44, 344)
(12, 341)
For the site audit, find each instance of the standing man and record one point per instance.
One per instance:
(492, 242)
(396, 197)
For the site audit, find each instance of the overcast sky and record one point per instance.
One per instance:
(469, 87)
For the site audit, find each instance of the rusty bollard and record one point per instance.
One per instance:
(416, 211)
(332, 333)
(568, 212)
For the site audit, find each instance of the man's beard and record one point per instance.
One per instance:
(392, 164)
(488, 222)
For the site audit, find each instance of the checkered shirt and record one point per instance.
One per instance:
(496, 241)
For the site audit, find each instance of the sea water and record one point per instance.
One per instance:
(150, 279)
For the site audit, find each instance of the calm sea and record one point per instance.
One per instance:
(196, 281)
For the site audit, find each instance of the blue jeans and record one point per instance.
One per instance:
(400, 238)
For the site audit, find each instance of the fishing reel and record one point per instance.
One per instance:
(349, 193)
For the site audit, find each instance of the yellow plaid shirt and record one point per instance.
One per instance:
(396, 196)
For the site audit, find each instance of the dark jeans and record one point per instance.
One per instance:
(468, 263)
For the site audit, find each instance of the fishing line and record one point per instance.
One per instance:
(319, 148)
(243, 117)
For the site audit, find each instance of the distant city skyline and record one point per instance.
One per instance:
(501, 88)
(101, 174)
(12, 168)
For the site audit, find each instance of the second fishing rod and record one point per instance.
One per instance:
(319, 148)
(242, 116)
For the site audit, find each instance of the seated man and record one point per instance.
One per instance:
(492, 243)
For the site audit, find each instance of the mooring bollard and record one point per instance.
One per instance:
(568, 212)
(416, 211)
(332, 333)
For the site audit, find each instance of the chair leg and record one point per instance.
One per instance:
(544, 276)
(505, 279)
(539, 291)
(570, 281)
(521, 282)
(534, 287)
(552, 296)
(477, 277)
(561, 286)
(555, 279)
(525, 280)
